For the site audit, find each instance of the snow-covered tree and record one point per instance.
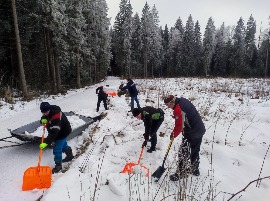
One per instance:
(76, 36)
(155, 44)
(208, 44)
(188, 47)
(198, 49)
(136, 47)
(146, 21)
(122, 36)
(239, 67)
(218, 65)
(251, 54)
(165, 44)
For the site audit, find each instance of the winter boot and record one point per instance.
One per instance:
(174, 177)
(69, 156)
(57, 168)
(196, 172)
(151, 149)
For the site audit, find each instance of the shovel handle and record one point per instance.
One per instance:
(167, 152)
(40, 150)
(140, 155)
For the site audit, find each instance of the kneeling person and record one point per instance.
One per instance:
(152, 119)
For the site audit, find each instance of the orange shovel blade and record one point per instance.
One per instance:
(37, 177)
(128, 168)
(111, 93)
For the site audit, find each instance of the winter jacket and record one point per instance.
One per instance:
(148, 115)
(131, 87)
(101, 93)
(58, 126)
(188, 119)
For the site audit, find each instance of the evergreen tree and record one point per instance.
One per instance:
(188, 50)
(122, 37)
(136, 47)
(198, 50)
(218, 67)
(76, 37)
(175, 53)
(165, 44)
(208, 44)
(146, 21)
(239, 67)
(229, 57)
(177, 48)
(179, 25)
(156, 50)
(251, 54)
(104, 40)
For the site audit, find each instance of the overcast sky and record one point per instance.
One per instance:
(227, 11)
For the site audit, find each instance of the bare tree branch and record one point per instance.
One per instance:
(268, 177)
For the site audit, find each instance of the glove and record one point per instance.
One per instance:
(44, 121)
(43, 145)
(171, 136)
(144, 143)
(161, 134)
(146, 137)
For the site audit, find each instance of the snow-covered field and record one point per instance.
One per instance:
(234, 151)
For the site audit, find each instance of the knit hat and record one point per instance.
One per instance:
(129, 79)
(169, 100)
(44, 107)
(136, 112)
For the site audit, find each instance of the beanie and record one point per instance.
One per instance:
(44, 107)
(136, 112)
(169, 100)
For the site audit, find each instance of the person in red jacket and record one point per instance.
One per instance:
(189, 122)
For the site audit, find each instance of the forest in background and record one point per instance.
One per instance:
(52, 46)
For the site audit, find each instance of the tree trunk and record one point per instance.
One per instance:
(50, 59)
(19, 50)
(78, 74)
(95, 70)
(57, 72)
(145, 61)
(152, 70)
(46, 50)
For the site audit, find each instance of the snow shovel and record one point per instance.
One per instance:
(129, 166)
(158, 173)
(37, 177)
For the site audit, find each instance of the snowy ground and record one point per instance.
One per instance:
(234, 151)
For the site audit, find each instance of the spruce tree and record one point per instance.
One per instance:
(208, 45)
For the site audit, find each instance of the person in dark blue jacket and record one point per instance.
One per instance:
(133, 92)
(189, 122)
(102, 96)
(58, 128)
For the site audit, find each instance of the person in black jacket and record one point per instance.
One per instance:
(58, 128)
(102, 96)
(152, 119)
(189, 122)
(133, 92)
